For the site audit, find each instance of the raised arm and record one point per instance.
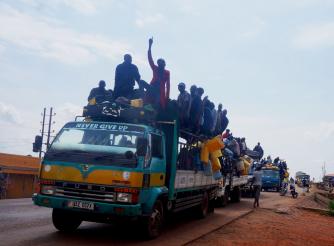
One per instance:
(149, 53)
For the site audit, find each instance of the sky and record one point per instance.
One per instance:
(270, 63)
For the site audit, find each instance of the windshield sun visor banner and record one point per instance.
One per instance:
(104, 126)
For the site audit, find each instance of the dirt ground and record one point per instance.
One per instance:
(277, 225)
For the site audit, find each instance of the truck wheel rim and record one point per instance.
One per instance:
(155, 221)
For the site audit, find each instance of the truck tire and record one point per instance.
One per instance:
(235, 195)
(203, 209)
(65, 221)
(152, 225)
(223, 200)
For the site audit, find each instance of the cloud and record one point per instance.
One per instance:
(315, 36)
(50, 39)
(86, 7)
(9, 114)
(143, 20)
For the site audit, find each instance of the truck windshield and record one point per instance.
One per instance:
(95, 146)
(270, 174)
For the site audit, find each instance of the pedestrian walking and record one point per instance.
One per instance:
(257, 183)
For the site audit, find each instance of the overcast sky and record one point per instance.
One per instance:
(269, 62)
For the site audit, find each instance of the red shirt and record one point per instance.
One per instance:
(164, 81)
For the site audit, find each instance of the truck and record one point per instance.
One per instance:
(115, 165)
(300, 177)
(271, 178)
(231, 188)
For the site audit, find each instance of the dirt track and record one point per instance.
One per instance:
(280, 223)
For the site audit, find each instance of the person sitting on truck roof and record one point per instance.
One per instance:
(276, 160)
(184, 103)
(100, 93)
(125, 76)
(259, 149)
(233, 145)
(226, 134)
(243, 146)
(158, 94)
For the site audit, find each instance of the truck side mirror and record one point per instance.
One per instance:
(142, 144)
(37, 145)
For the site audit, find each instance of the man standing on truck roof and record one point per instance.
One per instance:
(125, 76)
(99, 93)
(259, 149)
(196, 109)
(257, 182)
(183, 103)
(158, 93)
(222, 120)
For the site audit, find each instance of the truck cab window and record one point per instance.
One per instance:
(156, 142)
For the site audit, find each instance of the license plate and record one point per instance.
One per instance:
(81, 205)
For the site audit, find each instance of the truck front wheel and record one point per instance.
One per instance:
(153, 224)
(65, 221)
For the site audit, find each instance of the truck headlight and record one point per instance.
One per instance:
(48, 190)
(124, 197)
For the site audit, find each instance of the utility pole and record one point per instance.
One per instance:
(49, 130)
(43, 124)
(45, 133)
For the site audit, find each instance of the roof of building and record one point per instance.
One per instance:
(19, 164)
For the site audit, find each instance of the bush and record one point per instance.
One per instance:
(331, 207)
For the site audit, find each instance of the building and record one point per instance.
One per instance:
(18, 175)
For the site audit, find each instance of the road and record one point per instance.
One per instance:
(22, 223)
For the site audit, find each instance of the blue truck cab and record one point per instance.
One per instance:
(271, 179)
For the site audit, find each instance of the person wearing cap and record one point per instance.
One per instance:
(183, 103)
(158, 94)
(126, 75)
(100, 93)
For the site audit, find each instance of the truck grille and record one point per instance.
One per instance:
(86, 194)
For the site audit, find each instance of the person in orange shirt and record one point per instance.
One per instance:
(158, 93)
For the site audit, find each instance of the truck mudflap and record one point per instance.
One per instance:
(130, 210)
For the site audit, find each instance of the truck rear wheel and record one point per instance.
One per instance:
(65, 221)
(203, 209)
(153, 224)
(235, 194)
(223, 200)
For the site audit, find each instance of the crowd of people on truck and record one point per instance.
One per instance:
(196, 113)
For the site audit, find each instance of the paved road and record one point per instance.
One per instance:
(22, 223)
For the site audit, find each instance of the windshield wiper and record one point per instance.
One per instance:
(101, 157)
